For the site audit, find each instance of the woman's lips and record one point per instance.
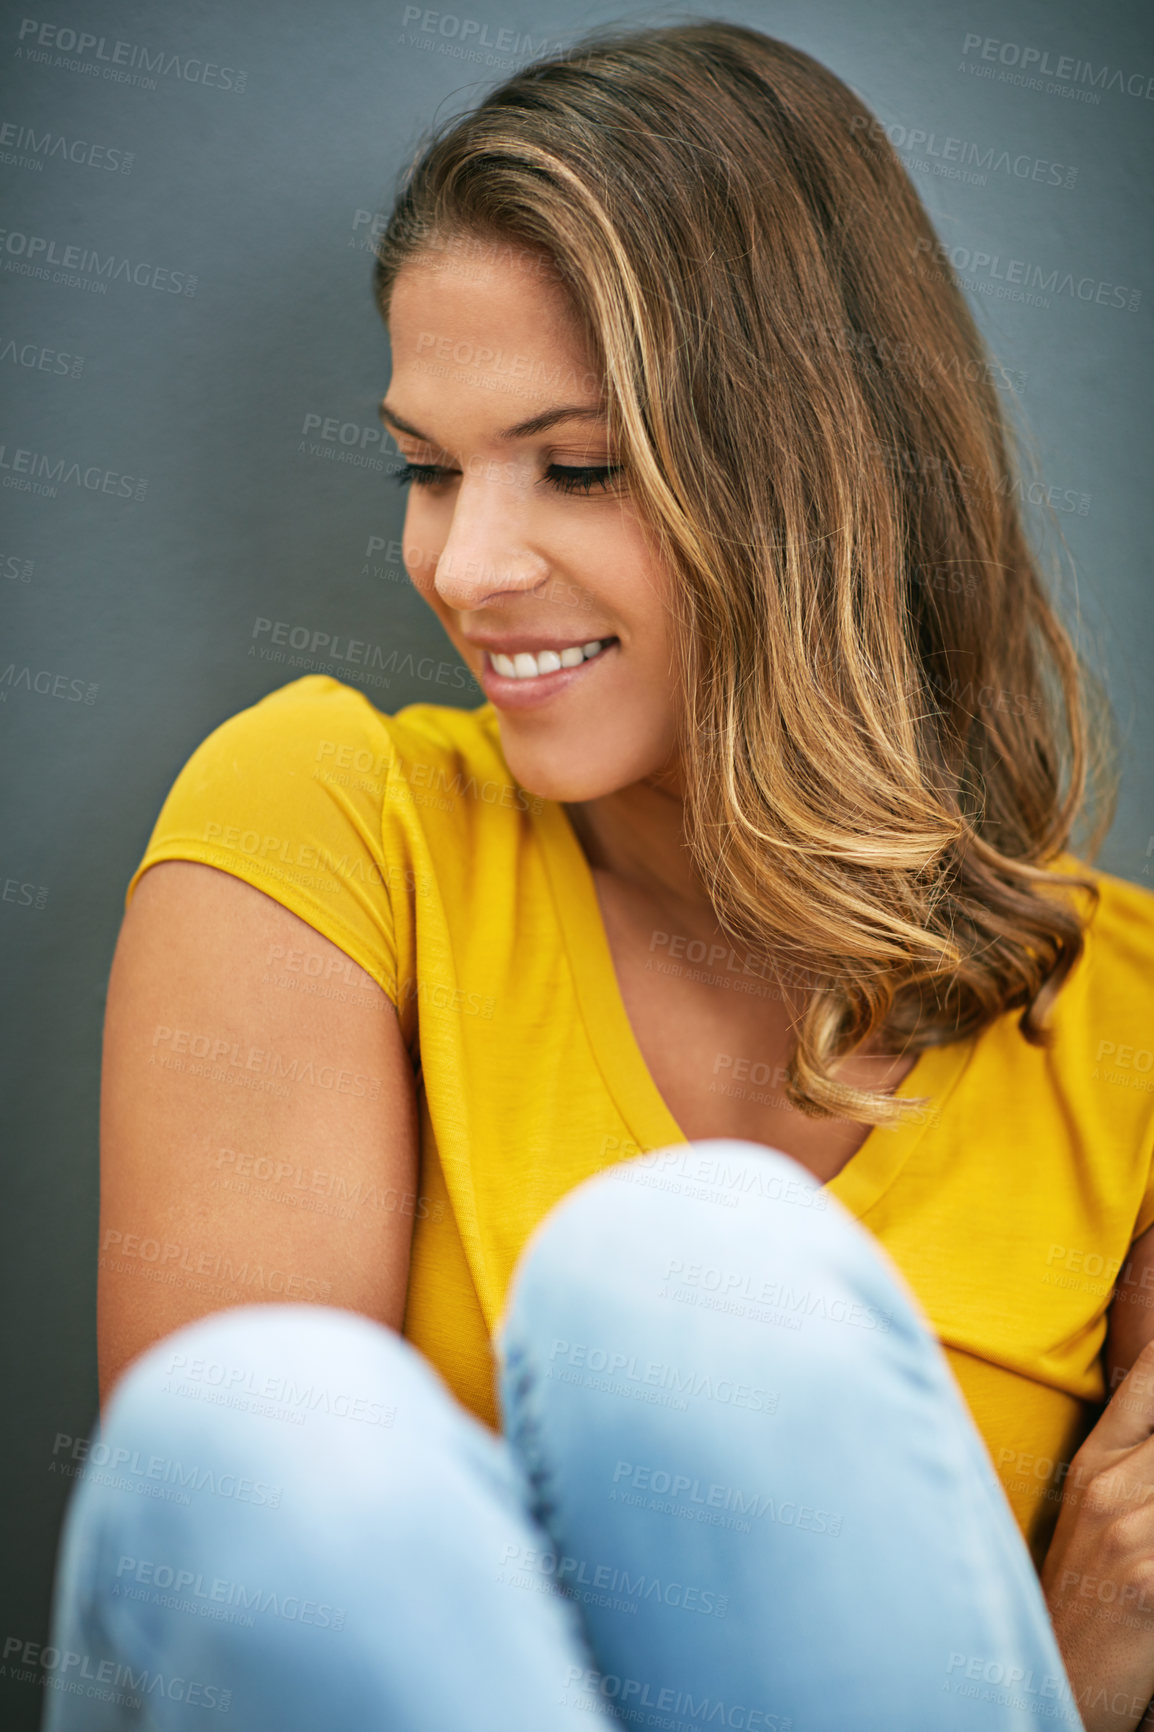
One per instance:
(509, 693)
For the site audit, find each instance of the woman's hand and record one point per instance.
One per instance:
(1098, 1575)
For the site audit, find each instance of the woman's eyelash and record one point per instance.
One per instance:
(564, 477)
(570, 480)
(422, 474)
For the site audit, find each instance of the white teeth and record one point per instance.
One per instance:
(526, 666)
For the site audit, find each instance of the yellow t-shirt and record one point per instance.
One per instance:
(1009, 1205)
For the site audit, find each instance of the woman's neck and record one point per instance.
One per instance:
(637, 836)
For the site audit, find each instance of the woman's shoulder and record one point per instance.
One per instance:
(419, 726)
(325, 802)
(340, 722)
(317, 729)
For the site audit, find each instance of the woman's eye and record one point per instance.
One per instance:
(421, 474)
(571, 480)
(566, 478)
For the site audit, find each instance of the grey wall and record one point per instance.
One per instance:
(232, 186)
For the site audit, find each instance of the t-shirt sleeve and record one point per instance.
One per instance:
(289, 796)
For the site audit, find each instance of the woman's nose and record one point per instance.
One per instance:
(486, 552)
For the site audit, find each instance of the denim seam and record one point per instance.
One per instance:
(523, 1428)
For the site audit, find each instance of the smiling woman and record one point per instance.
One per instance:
(702, 1091)
(500, 512)
(516, 656)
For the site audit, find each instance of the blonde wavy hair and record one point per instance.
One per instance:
(811, 428)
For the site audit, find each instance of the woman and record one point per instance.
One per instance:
(715, 1022)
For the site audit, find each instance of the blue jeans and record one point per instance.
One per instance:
(737, 1487)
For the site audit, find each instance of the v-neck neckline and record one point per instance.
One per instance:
(870, 1170)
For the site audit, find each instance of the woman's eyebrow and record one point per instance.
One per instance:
(521, 430)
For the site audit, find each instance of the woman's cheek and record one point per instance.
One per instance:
(420, 567)
(420, 544)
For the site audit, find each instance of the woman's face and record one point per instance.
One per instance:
(521, 544)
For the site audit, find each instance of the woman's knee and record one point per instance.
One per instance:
(723, 1229)
(263, 1431)
(256, 1393)
(297, 1465)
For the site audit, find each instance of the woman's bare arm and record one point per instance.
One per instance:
(258, 1119)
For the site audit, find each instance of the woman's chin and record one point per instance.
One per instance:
(567, 776)
(590, 755)
(567, 784)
